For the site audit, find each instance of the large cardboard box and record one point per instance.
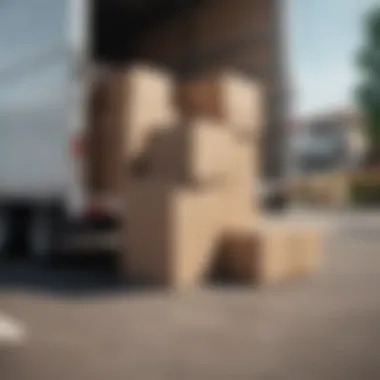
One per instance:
(171, 233)
(196, 152)
(229, 97)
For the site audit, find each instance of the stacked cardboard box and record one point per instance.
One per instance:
(196, 194)
(126, 107)
(230, 98)
(196, 152)
(147, 108)
(171, 221)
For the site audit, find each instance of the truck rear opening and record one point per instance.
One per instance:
(73, 152)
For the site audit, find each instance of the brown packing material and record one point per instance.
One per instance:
(196, 152)
(229, 97)
(171, 233)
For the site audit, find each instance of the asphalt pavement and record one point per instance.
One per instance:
(82, 324)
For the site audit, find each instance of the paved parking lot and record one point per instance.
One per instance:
(81, 324)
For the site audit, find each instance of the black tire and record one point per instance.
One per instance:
(3, 231)
(46, 234)
(16, 219)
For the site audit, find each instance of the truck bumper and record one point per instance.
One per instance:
(92, 237)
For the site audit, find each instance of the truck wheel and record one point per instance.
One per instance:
(46, 233)
(3, 229)
(15, 223)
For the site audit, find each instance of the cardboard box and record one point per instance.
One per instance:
(171, 235)
(127, 106)
(229, 97)
(257, 252)
(197, 152)
(306, 250)
(243, 105)
(200, 96)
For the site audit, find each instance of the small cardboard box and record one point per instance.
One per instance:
(257, 253)
(228, 97)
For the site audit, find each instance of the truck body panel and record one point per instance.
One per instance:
(43, 79)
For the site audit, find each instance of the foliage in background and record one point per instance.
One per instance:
(364, 193)
(369, 91)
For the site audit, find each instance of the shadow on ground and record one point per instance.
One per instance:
(76, 278)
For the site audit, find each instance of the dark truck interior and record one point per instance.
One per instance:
(121, 29)
(119, 26)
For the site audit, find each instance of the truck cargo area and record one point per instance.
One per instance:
(79, 207)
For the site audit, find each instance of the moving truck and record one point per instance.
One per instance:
(54, 51)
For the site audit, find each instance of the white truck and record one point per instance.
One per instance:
(44, 77)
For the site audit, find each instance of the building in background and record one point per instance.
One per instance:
(328, 142)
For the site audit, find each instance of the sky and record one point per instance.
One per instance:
(322, 37)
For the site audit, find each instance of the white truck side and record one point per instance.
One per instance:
(43, 81)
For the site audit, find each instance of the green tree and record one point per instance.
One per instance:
(369, 91)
